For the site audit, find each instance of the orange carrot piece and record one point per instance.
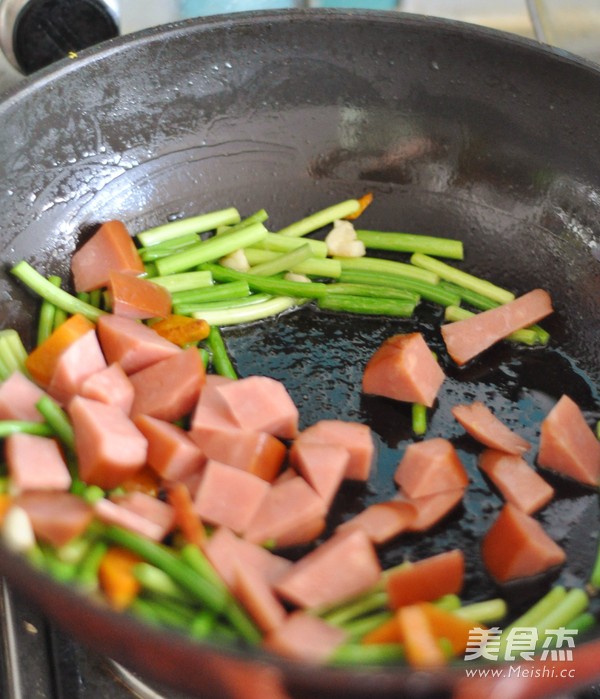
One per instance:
(448, 625)
(42, 361)
(427, 579)
(363, 202)
(387, 632)
(186, 518)
(420, 643)
(5, 503)
(182, 330)
(135, 297)
(117, 579)
(146, 480)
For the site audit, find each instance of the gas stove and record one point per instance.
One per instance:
(37, 660)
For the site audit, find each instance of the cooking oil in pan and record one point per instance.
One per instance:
(321, 357)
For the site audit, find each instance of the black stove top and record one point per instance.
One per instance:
(40, 662)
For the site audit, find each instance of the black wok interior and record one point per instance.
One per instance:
(457, 131)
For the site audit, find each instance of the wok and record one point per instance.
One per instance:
(457, 131)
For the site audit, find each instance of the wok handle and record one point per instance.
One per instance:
(535, 679)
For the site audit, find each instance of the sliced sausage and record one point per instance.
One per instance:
(516, 546)
(353, 436)
(305, 637)
(257, 597)
(56, 517)
(226, 551)
(110, 385)
(323, 466)
(467, 338)
(18, 397)
(111, 512)
(516, 480)
(429, 467)
(135, 297)
(256, 452)
(110, 248)
(344, 566)
(382, 521)
(568, 445)
(229, 497)
(171, 452)
(131, 343)
(479, 421)
(291, 513)
(260, 403)
(35, 463)
(169, 389)
(109, 446)
(403, 368)
(79, 361)
(431, 509)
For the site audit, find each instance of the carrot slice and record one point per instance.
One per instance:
(42, 361)
(363, 202)
(145, 480)
(420, 643)
(186, 518)
(6, 501)
(427, 579)
(116, 577)
(135, 297)
(182, 330)
(445, 624)
(388, 632)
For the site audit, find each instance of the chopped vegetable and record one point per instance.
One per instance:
(408, 242)
(181, 484)
(41, 363)
(421, 645)
(426, 580)
(322, 218)
(193, 224)
(342, 241)
(181, 330)
(457, 276)
(211, 249)
(13, 354)
(117, 578)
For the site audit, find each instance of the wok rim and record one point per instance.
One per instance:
(128, 42)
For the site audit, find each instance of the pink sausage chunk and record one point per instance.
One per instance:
(404, 369)
(109, 446)
(468, 338)
(36, 463)
(479, 421)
